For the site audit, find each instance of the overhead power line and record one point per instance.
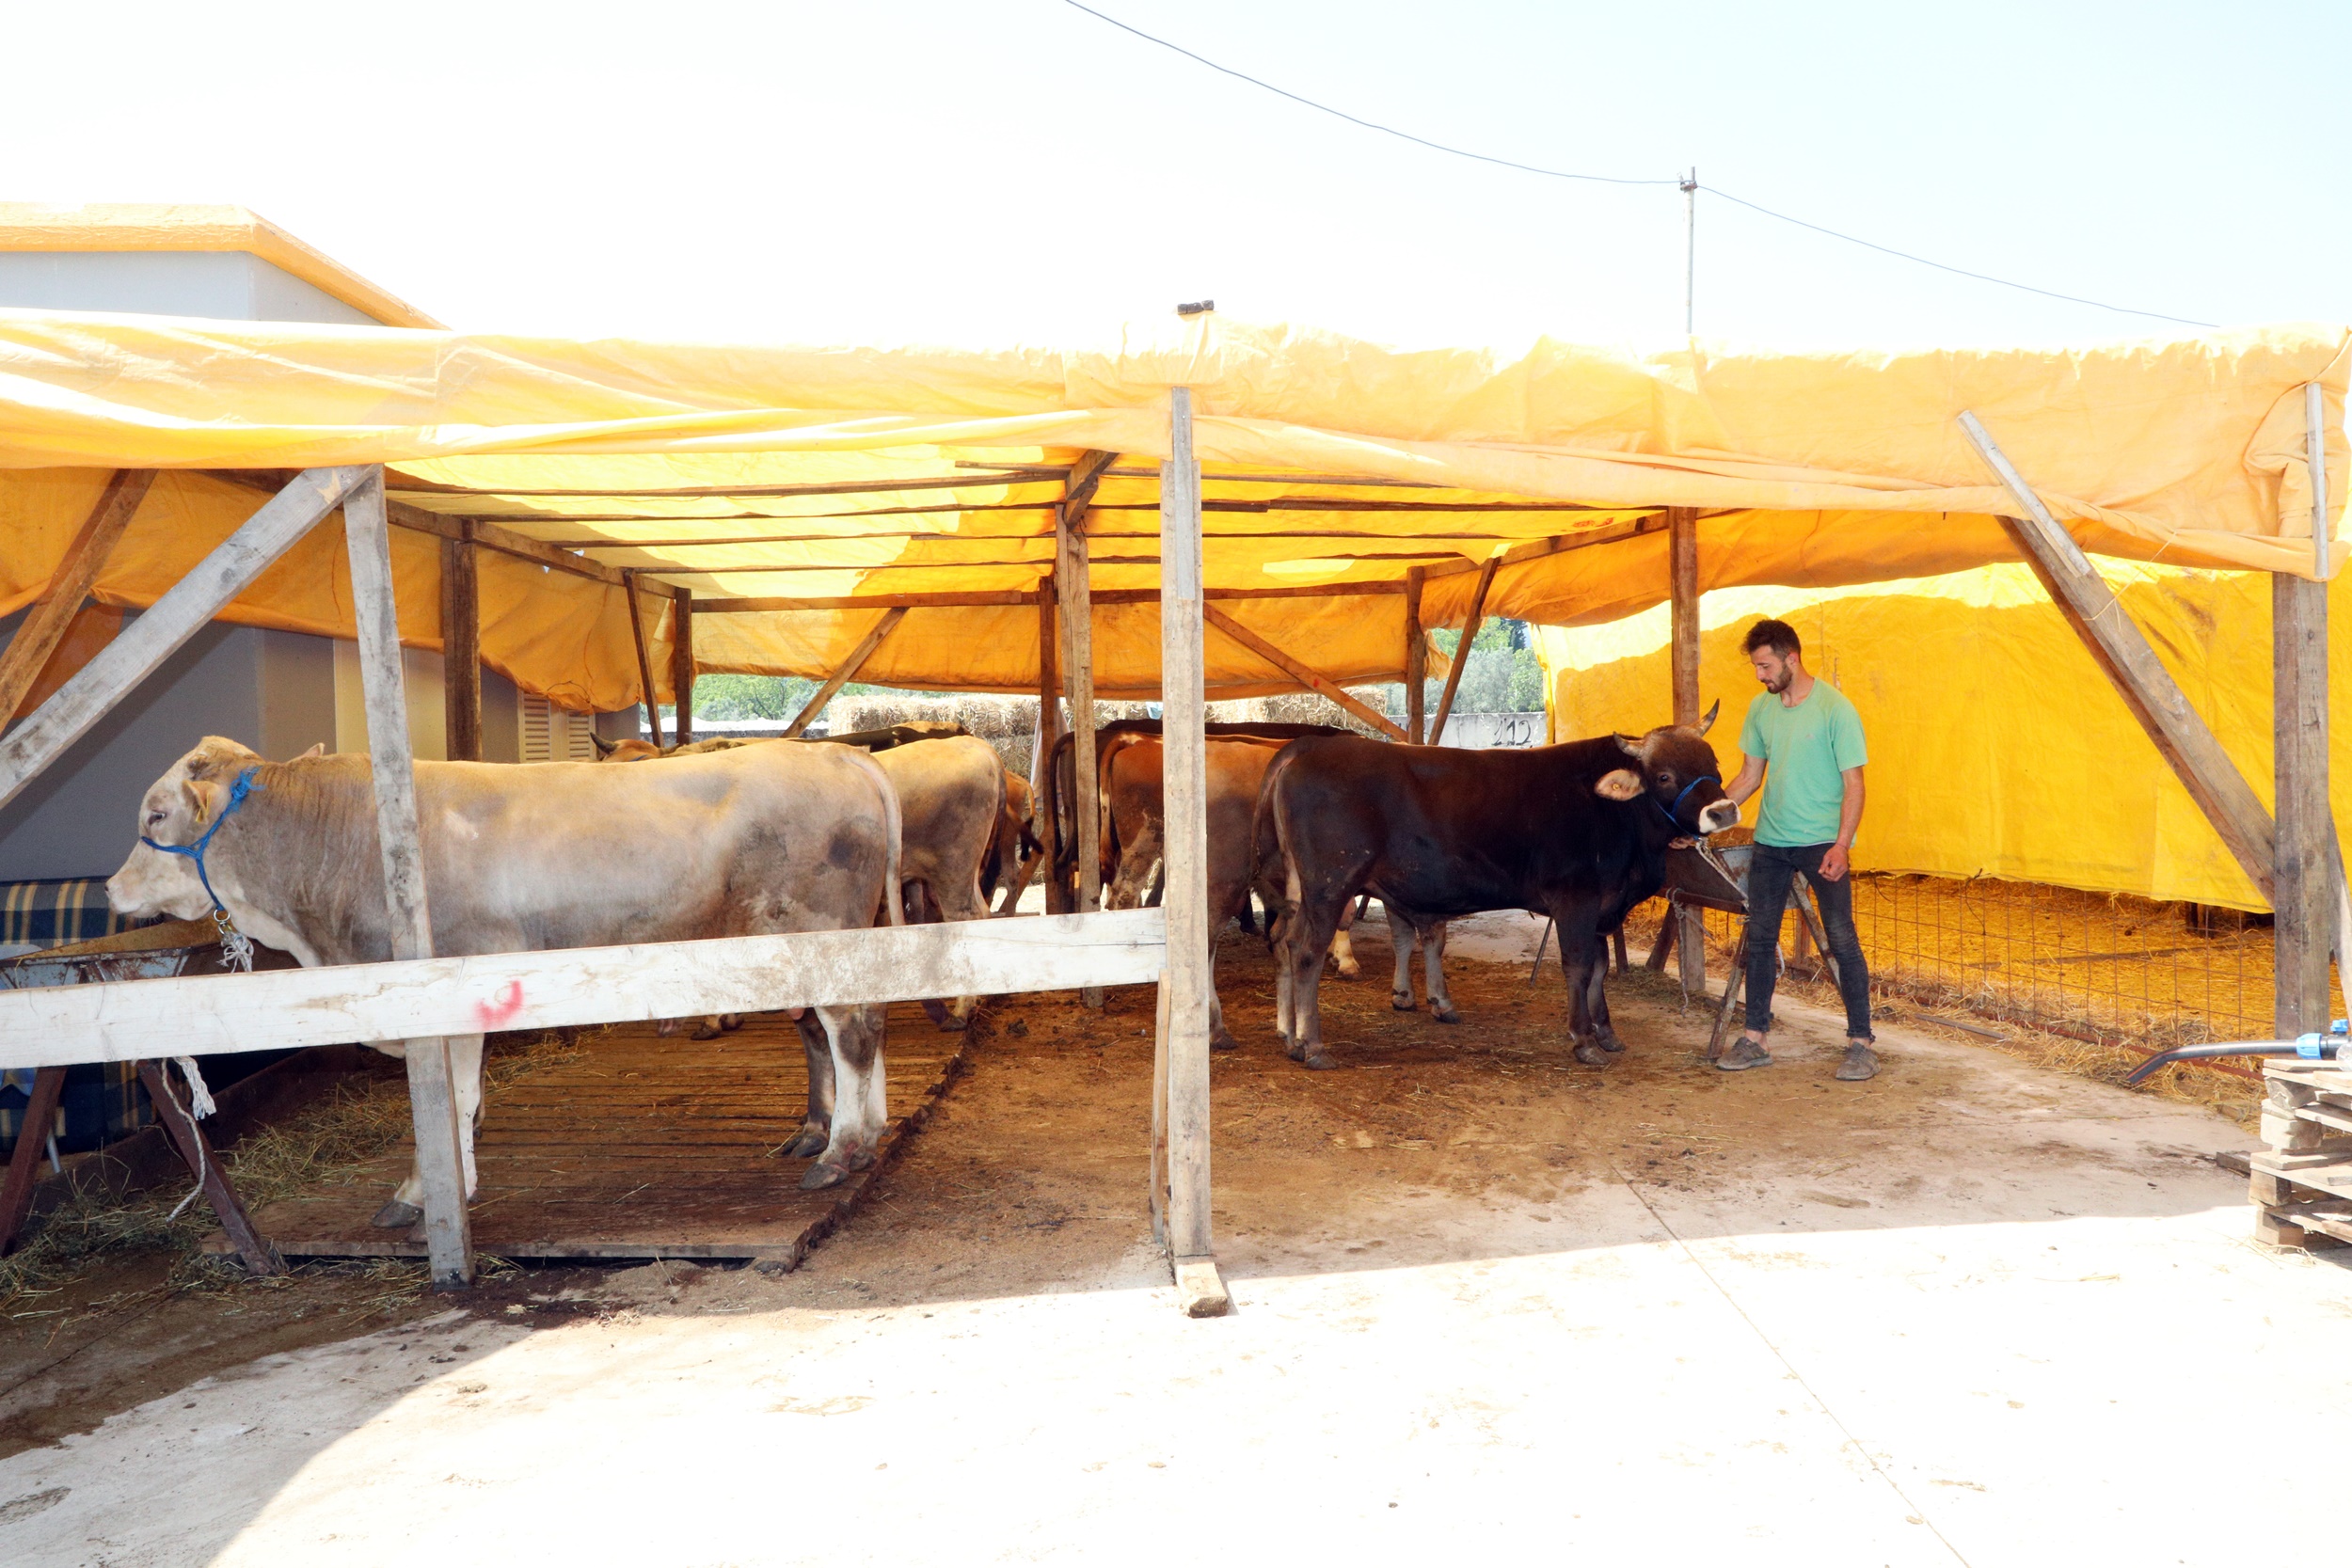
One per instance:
(1616, 180)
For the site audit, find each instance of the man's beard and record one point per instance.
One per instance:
(1781, 684)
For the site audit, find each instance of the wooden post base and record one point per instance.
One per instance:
(1200, 1289)
(16, 1192)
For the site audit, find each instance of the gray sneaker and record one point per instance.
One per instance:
(1860, 1062)
(1744, 1054)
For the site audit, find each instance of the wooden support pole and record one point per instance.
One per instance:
(1682, 555)
(682, 663)
(1682, 523)
(1312, 679)
(44, 625)
(1183, 709)
(169, 621)
(1041, 792)
(261, 1259)
(1416, 656)
(848, 672)
(31, 1132)
(1462, 649)
(461, 650)
(2121, 652)
(645, 660)
(2323, 555)
(431, 1094)
(1072, 577)
(2304, 897)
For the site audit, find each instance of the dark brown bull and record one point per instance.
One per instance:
(1577, 832)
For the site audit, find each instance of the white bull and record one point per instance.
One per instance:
(762, 840)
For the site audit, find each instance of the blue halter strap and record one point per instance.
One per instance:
(1671, 811)
(237, 792)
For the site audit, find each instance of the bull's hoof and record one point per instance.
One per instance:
(1318, 1061)
(938, 1011)
(1445, 1015)
(731, 1021)
(705, 1032)
(1223, 1040)
(1610, 1042)
(1401, 1000)
(808, 1143)
(950, 1022)
(821, 1175)
(396, 1216)
(1591, 1054)
(1350, 970)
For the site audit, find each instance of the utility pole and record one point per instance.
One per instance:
(1689, 250)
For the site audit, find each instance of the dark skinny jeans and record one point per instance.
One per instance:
(1771, 874)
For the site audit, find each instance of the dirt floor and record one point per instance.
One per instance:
(1958, 1313)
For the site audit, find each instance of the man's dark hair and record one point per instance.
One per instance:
(1779, 636)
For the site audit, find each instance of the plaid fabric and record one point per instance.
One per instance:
(102, 1102)
(49, 912)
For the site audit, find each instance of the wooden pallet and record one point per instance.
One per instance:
(2301, 1184)
(642, 1148)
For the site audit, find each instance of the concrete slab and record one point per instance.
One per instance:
(2019, 1322)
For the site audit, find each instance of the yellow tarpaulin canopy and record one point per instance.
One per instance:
(750, 475)
(1998, 747)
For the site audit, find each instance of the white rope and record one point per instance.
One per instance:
(197, 1092)
(200, 1098)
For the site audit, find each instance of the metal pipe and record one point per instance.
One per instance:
(2310, 1048)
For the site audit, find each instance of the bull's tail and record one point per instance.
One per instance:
(1270, 868)
(895, 830)
(1062, 857)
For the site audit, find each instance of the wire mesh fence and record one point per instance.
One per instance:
(2106, 968)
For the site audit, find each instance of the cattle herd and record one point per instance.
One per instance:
(725, 838)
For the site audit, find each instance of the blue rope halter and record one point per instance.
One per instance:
(237, 792)
(1672, 819)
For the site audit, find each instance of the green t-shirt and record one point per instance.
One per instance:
(1806, 751)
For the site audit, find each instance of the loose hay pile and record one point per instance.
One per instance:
(323, 1145)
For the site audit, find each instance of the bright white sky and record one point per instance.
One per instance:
(984, 173)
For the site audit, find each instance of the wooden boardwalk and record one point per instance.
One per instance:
(641, 1147)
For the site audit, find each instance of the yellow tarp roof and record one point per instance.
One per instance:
(1996, 746)
(763, 473)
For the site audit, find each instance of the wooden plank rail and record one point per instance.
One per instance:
(273, 1009)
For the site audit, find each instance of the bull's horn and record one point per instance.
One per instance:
(604, 748)
(1629, 745)
(1709, 723)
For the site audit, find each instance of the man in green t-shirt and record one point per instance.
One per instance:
(1803, 746)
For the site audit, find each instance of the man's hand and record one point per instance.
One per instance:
(1682, 843)
(1834, 863)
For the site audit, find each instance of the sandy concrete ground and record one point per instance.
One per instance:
(1991, 1315)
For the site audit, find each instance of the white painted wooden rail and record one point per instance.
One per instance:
(423, 998)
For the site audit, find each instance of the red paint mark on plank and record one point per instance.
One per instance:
(495, 1013)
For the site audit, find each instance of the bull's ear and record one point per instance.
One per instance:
(1709, 723)
(1630, 744)
(318, 749)
(204, 798)
(1623, 784)
(604, 748)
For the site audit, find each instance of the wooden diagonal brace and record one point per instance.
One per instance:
(170, 621)
(1462, 649)
(2121, 650)
(1299, 673)
(645, 663)
(848, 672)
(45, 625)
